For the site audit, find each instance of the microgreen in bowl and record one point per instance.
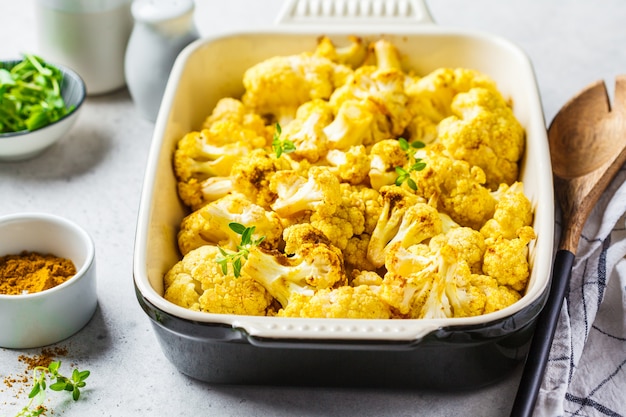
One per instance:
(30, 95)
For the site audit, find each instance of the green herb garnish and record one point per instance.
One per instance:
(415, 164)
(30, 95)
(243, 249)
(43, 376)
(279, 145)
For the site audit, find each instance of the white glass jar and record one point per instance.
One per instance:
(161, 30)
(89, 36)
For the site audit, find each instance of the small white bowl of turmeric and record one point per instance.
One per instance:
(47, 279)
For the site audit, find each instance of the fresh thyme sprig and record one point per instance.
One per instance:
(243, 249)
(42, 376)
(279, 145)
(415, 164)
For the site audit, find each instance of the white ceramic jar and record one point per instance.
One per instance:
(89, 36)
(161, 30)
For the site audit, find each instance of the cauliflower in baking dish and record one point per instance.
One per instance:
(342, 185)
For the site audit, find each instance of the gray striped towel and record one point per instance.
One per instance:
(586, 373)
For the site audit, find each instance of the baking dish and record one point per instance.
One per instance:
(438, 354)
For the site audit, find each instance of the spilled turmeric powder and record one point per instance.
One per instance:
(31, 272)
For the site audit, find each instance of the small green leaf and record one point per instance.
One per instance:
(281, 146)
(246, 236)
(237, 228)
(36, 389)
(54, 367)
(58, 386)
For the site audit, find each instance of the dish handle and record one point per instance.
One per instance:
(334, 333)
(362, 12)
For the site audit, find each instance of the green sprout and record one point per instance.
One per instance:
(43, 376)
(415, 164)
(30, 95)
(279, 145)
(243, 249)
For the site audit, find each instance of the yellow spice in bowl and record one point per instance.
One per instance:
(31, 272)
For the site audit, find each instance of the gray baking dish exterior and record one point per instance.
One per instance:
(442, 354)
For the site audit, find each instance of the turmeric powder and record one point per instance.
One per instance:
(31, 272)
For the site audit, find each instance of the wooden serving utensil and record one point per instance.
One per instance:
(587, 146)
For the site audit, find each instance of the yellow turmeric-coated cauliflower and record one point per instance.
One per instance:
(306, 131)
(352, 55)
(340, 303)
(196, 282)
(281, 84)
(385, 156)
(351, 165)
(454, 187)
(380, 93)
(431, 96)
(346, 221)
(196, 157)
(436, 280)
(513, 210)
(251, 176)
(231, 121)
(210, 224)
(506, 260)
(353, 188)
(484, 132)
(313, 267)
(395, 202)
(318, 192)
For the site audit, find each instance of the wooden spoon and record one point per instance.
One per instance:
(587, 146)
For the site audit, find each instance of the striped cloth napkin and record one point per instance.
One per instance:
(586, 372)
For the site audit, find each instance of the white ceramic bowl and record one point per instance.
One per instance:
(28, 144)
(47, 317)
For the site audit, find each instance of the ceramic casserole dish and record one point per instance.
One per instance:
(454, 353)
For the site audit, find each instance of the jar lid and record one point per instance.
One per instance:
(82, 6)
(155, 11)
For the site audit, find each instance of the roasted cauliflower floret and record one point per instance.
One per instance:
(352, 55)
(296, 235)
(210, 224)
(380, 92)
(454, 187)
(281, 84)
(196, 157)
(431, 95)
(395, 202)
(231, 121)
(312, 268)
(319, 191)
(513, 210)
(351, 166)
(355, 253)
(484, 132)
(435, 280)
(195, 193)
(385, 156)
(351, 126)
(197, 282)
(306, 131)
(506, 260)
(340, 303)
(252, 174)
